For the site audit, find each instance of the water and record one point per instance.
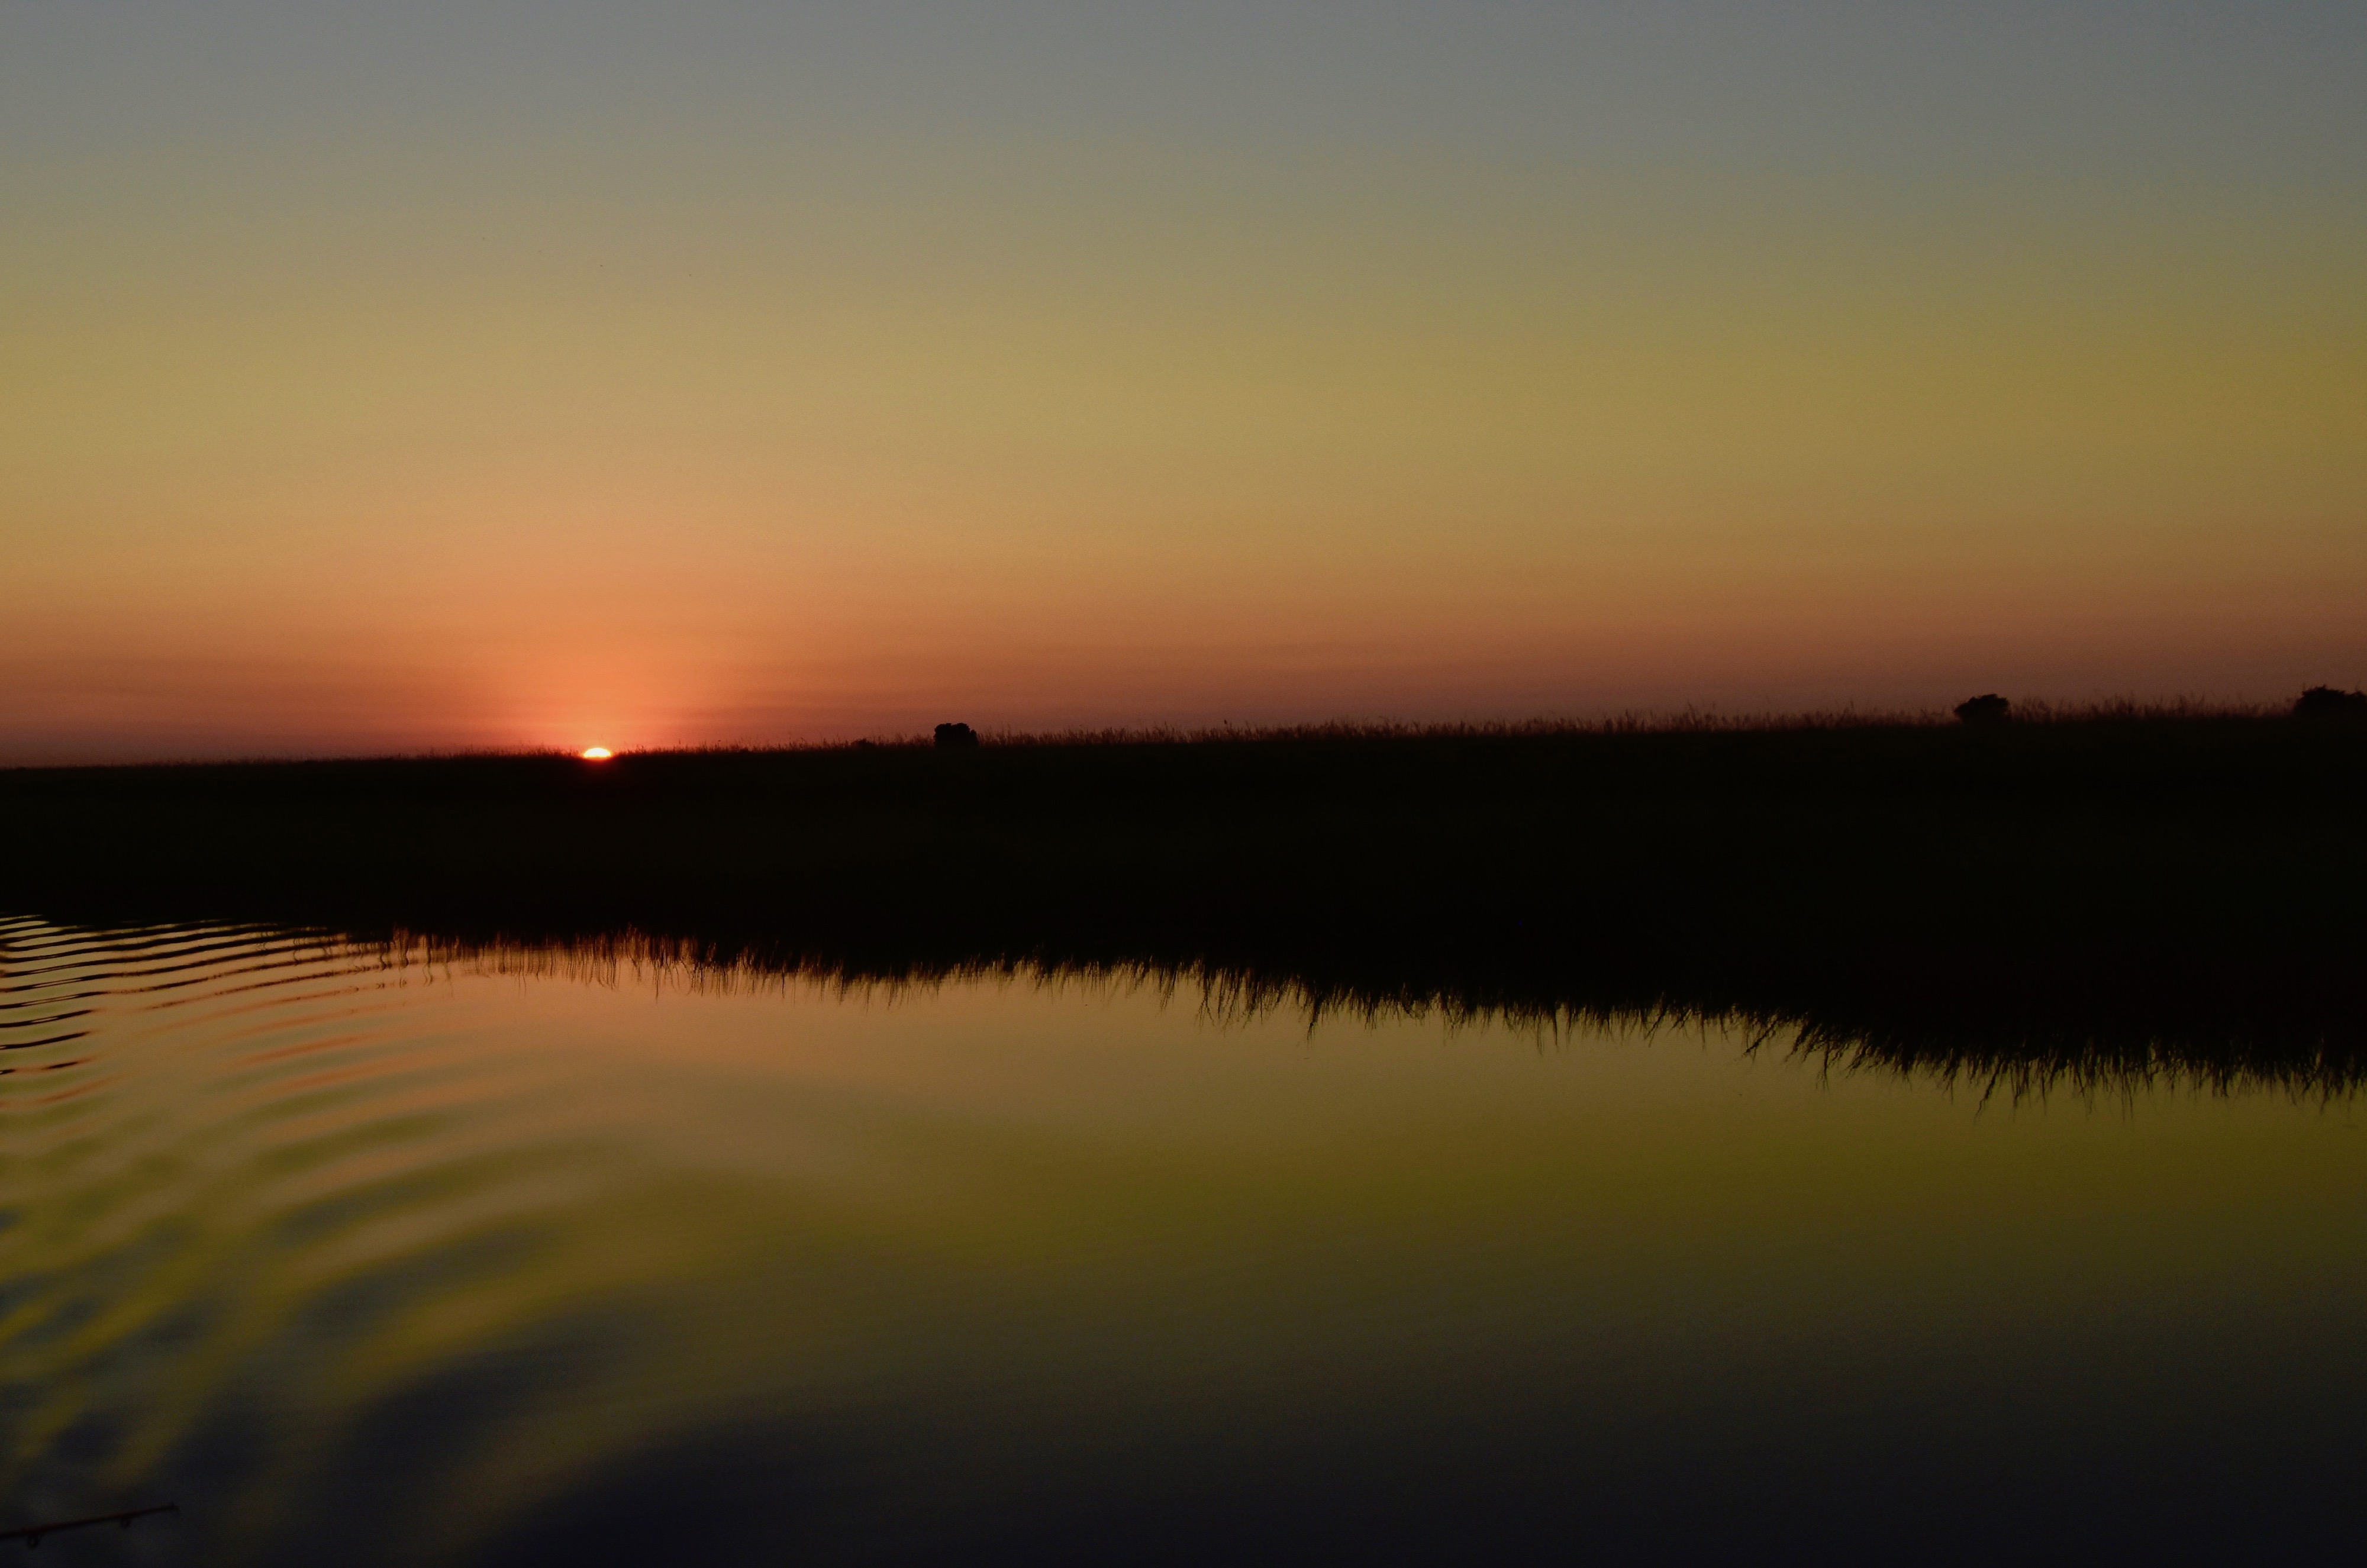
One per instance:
(363, 1256)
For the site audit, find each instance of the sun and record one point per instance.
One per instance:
(597, 753)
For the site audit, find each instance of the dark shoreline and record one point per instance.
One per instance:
(2098, 898)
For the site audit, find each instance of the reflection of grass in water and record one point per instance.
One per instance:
(2090, 899)
(2036, 1062)
(2020, 1064)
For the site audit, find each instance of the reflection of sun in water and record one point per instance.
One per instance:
(597, 753)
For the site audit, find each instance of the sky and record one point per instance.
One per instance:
(400, 378)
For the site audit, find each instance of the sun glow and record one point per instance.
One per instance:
(597, 753)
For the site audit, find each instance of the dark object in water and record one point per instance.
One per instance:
(31, 1534)
(2330, 701)
(1986, 708)
(956, 734)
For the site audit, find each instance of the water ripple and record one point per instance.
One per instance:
(252, 1152)
(407, 1251)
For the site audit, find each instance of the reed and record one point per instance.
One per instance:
(2068, 892)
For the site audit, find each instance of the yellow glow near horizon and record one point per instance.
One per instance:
(597, 753)
(1162, 366)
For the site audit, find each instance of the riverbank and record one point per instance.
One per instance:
(2116, 879)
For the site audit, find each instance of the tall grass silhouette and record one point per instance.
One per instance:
(2079, 897)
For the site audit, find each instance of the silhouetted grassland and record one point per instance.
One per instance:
(2060, 895)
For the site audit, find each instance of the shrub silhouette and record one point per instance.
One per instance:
(956, 734)
(1986, 708)
(2330, 701)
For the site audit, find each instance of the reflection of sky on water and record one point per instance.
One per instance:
(495, 1261)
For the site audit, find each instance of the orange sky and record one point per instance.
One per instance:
(546, 378)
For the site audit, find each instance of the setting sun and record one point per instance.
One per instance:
(597, 753)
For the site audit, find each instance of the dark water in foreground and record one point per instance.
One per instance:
(364, 1257)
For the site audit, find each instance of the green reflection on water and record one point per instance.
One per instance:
(345, 1247)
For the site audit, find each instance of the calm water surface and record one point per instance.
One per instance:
(361, 1257)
